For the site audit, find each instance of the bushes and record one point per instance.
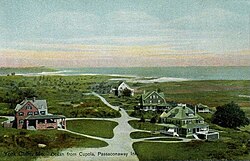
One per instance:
(230, 115)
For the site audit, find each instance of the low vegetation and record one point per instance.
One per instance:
(144, 125)
(165, 139)
(195, 150)
(22, 145)
(98, 128)
(139, 135)
(64, 95)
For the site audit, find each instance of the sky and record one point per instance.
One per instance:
(119, 33)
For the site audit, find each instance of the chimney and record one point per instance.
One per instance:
(144, 92)
(25, 98)
(34, 99)
(195, 110)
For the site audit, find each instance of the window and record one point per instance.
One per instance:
(36, 113)
(150, 101)
(42, 112)
(30, 113)
(20, 121)
(28, 107)
(159, 101)
(20, 113)
(189, 130)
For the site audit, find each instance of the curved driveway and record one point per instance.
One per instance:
(120, 144)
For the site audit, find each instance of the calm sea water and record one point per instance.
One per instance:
(195, 73)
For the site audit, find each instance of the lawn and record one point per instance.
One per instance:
(144, 125)
(98, 128)
(151, 151)
(16, 141)
(139, 135)
(165, 139)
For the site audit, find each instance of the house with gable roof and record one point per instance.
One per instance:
(121, 89)
(33, 114)
(153, 101)
(186, 122)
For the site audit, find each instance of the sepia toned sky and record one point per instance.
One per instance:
(119, 33)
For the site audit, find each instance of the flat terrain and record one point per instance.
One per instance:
(98, 128)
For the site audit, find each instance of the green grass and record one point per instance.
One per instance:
(139, 135)
(150, 151)
(57, 90)
(98, 128)
(16, 141)
(165, 139)
(246, 110)
(2, 119)
(209, 92)
(144, 125)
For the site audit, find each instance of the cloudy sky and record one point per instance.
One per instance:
(102, 33)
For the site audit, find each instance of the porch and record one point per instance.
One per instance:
(45, 122)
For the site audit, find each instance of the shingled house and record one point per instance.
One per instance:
(185, 122)
(33, 114)
(153, 101)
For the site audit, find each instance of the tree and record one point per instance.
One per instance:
(230, 115)
(153, 120)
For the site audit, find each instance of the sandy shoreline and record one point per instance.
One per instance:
(128, 78)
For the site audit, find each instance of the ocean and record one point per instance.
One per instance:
(191, 73)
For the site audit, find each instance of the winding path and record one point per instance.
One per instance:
(119, 147)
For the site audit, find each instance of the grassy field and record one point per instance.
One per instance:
(211, 93)
(165, 139)
(144, 125)
(139, 135)
(24, 143)
(98, 128)
(64, 95)
(148, 151)
(233, 144)
(128, 103)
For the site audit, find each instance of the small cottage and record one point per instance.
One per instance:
(183, 121)
(153, 101)
(33, 114)
(123, 90)
(202, 108)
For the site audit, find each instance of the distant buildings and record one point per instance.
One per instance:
(183, 121)
(33, 114)
(202, 108)
(123, 90)
(153, 101)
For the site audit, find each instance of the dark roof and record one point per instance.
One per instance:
(39, 104)
(35, 117)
